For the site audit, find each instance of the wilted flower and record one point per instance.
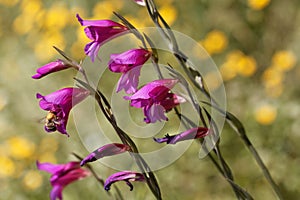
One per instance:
(100, 31)
(128, 63)
(106, 150)
(155, 98)
(62, 175)
(193, 133)
(123, 176)
(140, 2)
(50, 68)
(59, 104)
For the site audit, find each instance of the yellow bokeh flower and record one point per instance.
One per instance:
(238, 63)
(169, 13)
(31, 17)
(215, 42)
(32, 180)
(7, 168)
(228, 71)
(246, 65)
(43, 49)
(284, 60)
(229, 68)
(265, 114)
(56, 17)
(258, 4)
(103, 10)
(20, 147)
(272, 77)
(31, 7)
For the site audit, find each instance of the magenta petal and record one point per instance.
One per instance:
(50, 68)
(92, 49)
(139, 103)
(100, 23)
(162, 140)
(62, 175)
(129, 81)
(62, 96)
(100, 31)
(106, 150)
(154, 113)
(156, 99)
(56, 192)
(172, 101)
(48, 167)
(127, 60)
(128, 63)
(60, 103)
(62, 128)
(145, 91)
(193, 133)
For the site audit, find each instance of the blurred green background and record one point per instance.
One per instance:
(255, 44)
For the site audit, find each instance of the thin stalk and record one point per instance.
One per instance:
(238, 127)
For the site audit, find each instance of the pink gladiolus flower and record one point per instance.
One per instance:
(100, 31)
(123, 176)
(155, 98)
(58, 104)
(193, 133)
(106, 150)
(128, 63)
(62, 175)
(50, 68)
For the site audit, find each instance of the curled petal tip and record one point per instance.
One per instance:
(82, 163)
(38, 95)
(158, 140)
(130, 185)
(36, 76)
(79, 19)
